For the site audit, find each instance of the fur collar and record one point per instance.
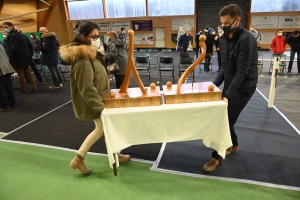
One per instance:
(73, 51)
(48, 34)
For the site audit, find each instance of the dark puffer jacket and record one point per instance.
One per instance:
(294, 42)
(49, 49)
(238, 64)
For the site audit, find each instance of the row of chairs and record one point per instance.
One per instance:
(282, 63)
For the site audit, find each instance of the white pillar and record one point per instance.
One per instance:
(273, 81)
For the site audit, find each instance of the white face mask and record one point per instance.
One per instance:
(213, 33)
(96, 43)
(280, 34)
(4, 36)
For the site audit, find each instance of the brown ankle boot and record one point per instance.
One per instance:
(232, 149)
(211, 164)
(123, 158)
(78, 163)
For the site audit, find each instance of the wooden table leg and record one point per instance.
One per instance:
(115, 169)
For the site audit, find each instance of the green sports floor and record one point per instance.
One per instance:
(34, 173)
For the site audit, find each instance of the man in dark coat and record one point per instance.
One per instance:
(238, 72)
(184, 41)
(294, 41)
(19, 55)
(49, 56)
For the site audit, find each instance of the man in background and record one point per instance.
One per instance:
(294, 41)
(184, 41)
(278, 44)
(122, 36)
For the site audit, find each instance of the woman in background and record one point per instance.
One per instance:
(116, 52)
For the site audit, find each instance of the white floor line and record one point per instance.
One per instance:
(67, 149)
(286, 119)
(39, 117)
(231, 180)
(156, 163)
(2, 133)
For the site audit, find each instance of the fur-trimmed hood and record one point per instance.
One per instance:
(74, 51)
(48, 34)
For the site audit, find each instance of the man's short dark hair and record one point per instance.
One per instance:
(123, 28)
(7, 24)
(279, 30)
(232, 9)
(296, 32)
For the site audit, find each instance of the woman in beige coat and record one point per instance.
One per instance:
(89, 85)
(7, 95)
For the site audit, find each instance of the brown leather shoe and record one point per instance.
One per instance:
(232, 149)
(211, 164)
(78, 163)
(123, 158)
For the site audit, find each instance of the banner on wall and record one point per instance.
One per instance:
(104, 26)
(185, 24)
(264, 22)
(289, 22)
(142, 25)
(266, 37)
(143, 39)
(116, 26)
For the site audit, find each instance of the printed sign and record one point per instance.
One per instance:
(142, 25)
(104, 26)
(143, 39)
(264, 22)
(289, 22)
(266, 37)
(184, 24)
(116, 26)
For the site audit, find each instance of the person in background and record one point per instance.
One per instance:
(36, 43)
(116, 52)
(19, 55)
(7, 95)
(210, 41)
(205, 32)
(31, 61)
(197, 42)
(218, 50)
(294, 41)
(89, 84)
(278, 44)
(184, 41)
(122, 36)
(238, 72)
(255, 34)
(49, 49)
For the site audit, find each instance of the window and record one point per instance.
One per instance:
(91, 9)
(171, 7)
(125, 8)
(275, 5)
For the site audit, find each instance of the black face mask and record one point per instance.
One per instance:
(41, 33)
(228, 29)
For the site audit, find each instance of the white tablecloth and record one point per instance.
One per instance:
(207, 121)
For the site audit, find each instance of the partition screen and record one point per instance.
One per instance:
(125, 8)
(171, 7)
(88, 9)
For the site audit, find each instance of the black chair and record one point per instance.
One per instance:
(64, 68)
(143, 65)
(43, 69)
(184, 63)
(166, 64)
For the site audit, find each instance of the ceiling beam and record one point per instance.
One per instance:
(1, 5)
(49, 12)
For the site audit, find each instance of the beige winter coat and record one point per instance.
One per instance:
(89, 81)
(5, 67)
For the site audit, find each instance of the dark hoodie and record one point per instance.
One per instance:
(116, 51)
(49, 49)
(294, 42)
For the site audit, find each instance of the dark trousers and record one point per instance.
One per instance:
(35, 71)
(292, 56)
(234, 110)
(219, 59)
(56, 75)
(7, 96)
(197, 50)
(119, 80)
(21, 76)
